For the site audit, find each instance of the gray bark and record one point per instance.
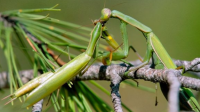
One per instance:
(115, 74)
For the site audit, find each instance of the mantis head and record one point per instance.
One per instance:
(105, 15)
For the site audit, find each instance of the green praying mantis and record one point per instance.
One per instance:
(65, 73)
(157, 52)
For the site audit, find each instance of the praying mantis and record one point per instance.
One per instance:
(65, 73)
(156, 51)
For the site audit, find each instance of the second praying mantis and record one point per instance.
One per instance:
(60, 76)
(156, 51)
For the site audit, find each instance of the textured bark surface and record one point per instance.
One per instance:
(115, 74)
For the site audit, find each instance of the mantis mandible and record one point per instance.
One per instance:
(62, 75)
(157, 52)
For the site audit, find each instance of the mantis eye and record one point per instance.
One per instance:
(106, 13)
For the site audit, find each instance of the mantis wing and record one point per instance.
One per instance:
(162, 53)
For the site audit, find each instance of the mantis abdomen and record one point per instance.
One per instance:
(60, 77)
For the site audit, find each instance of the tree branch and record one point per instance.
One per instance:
(38, 106)
(193, 65)
(116, 98)
(115, 74)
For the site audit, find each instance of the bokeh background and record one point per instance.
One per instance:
(176, 23)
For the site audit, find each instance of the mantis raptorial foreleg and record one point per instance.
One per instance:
(119, 53)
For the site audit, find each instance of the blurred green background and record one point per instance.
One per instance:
(176, 23)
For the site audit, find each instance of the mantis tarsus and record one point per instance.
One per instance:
(63, 74)
(156, 51)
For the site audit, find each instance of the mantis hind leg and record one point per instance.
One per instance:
(135, 68)
(138, 55)
(145, 61)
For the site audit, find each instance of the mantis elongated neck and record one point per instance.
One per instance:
(96, 33)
